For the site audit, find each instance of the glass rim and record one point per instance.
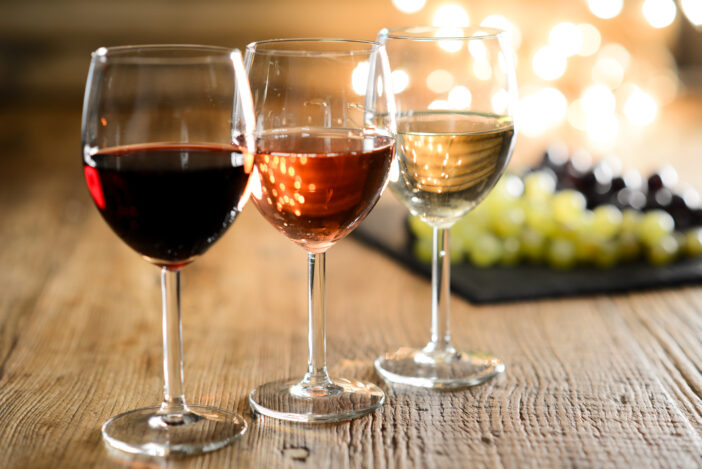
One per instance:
(364, 47)
(158, 53)
(443, 33)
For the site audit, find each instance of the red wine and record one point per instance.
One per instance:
(317, 185)
(168, 202)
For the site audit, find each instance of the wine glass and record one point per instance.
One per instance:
(163, 169)
(322, 160)
(455, 102)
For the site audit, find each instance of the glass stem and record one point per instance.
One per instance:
(174, 395)
(316, 375)
(440, 294)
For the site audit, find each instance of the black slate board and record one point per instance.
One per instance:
(385, 229)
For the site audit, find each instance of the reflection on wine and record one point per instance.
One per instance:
(448, 161)
(316, 185)
(168, 202)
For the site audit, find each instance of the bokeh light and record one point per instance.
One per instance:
(659, 13)
(605, 9)
(608, 71)
(566, 38)
(692, 10)
(616, 52)
(548, 63)
(359, 78)
(598, 101)
(541, 111)
(640, 108)
(591, 39)
(451, 15)
(460, 97)
(450, 31)
(499, 101)
(400, 81)
(439, 81)
(482, 70)
(409, 6)
(500, 22)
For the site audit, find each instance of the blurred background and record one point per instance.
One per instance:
(610, 76)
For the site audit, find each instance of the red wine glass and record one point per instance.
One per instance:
(321, 163)
(165, 166)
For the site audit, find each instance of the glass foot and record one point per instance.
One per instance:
(199, 430)
(344, 399)
(437, 369)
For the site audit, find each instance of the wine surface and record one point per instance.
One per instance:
(168, 202)
(317, 185)
(448, 161)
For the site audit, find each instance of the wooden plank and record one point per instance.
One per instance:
(590, 382)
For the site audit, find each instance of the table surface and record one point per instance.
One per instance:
(590, 382)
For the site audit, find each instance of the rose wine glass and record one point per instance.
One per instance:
(167, 171)
(455, 121)
(322, 160)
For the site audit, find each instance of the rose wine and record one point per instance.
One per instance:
(168, 202)
(317, 185)
(448, 161)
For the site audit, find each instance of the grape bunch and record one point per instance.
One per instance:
(567, 212)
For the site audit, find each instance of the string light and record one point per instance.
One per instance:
(605, 9)
(500, 22)
(566, 38)
(451, 15)
(591, 39)
(409, 6)
(659, 13)
(548, 63)
(692, 10)
(439, 81)
(640, 108)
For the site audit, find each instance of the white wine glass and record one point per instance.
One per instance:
(455, 98)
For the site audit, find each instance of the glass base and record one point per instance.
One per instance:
(438, 369)
(343, 399)
(199, 430)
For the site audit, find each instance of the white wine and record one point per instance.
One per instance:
(448, 161)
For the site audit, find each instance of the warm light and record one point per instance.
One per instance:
(693, 11)
(477, 50)
(400, 81)
(591, 39)
(499, 101)
(664, 85)
(598, 101)
(451, 15)
(459, 97)
(603, 129)
(659, 13)
(482, 70)
(439, 104)
(617, 52)
(450, 31)
(439, 81)
(548, 63)
(640, 108)
(359, 78)
(576, 115)
(541, 111)
(608, 71)
(566, 38)
(409, 6)
(500, 22)
(605, 9)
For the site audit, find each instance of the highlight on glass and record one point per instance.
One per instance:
(168, 172)
(322, 158)
(456, 132)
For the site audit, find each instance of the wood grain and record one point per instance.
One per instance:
(604, 381)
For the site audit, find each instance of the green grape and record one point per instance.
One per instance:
(629, 246)
(693, 242)
(568, 205)
(423, 247)
(586, 247)
(630, 220)
(422, 250)
(511, 251)
(507, 191)
(533, 245)
(539, 186)
(664, 251)
(561, 254)
(654, 226)
(607, 221)
(577, 227)
(420, 228)
(486, 251)
(479, 217)
(509, 221)
(466, 232)
(456, 250)
(539, 217)
(607, 254)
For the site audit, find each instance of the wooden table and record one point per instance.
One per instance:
(599, 381)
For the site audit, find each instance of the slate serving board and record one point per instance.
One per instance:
(386, 230)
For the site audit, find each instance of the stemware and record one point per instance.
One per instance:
(455, 103)
(162, 166)
(322, 159)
